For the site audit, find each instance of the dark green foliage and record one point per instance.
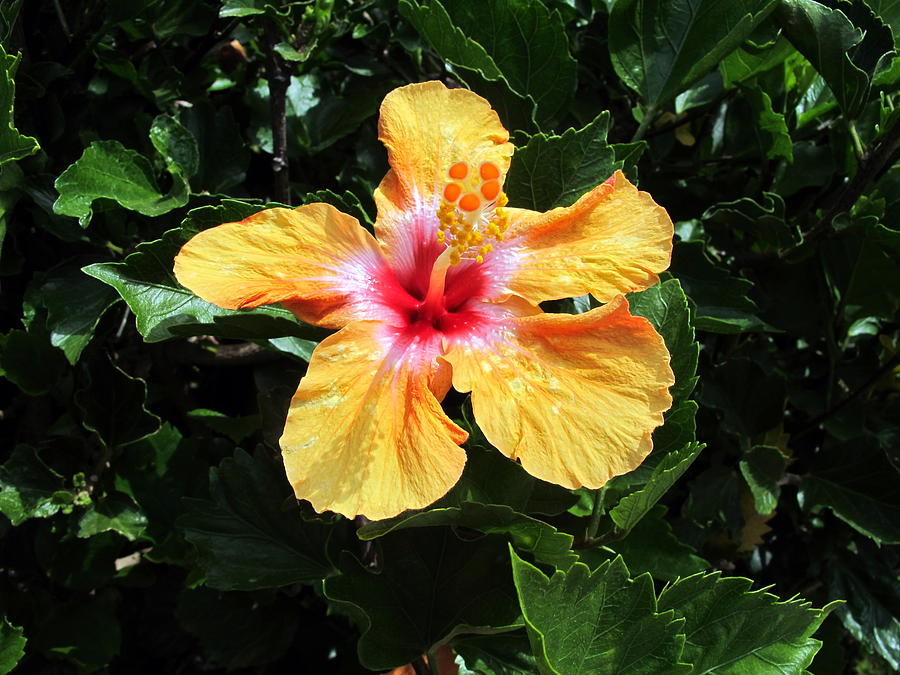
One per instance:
(146, 524)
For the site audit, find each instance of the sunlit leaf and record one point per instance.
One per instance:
(846, 43)
(762, 467)
(519, 43)
(12, 646)
(552, 171)
(29, 488)
(660, 48)
(109, 170)
(597, 622)
(13, 145)
(731, 629)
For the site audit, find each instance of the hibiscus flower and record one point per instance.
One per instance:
(445, 294)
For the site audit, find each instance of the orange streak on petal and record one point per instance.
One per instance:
(613, 240)
(314, 258)
(364, 433)
(574, 397)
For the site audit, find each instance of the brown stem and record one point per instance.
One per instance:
(852, 396)
(277, 72)
(874, 162)
(225, 355)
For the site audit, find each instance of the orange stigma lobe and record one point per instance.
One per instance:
(452, 191)
(489, 171)
(469, 202)
(459, 171)
(490, 190)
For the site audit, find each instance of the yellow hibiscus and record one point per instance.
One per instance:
(448, 293)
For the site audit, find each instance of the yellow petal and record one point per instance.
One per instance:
(427, 128)
(613, 240)
(364, 433)
(575, 398)
(316, 260)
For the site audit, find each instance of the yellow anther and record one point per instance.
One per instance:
(470, 215)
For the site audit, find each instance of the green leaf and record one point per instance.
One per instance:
(652, 547)
(251, 535)
(239, 630)
(491, 478)
(13, 145)
(534, 536)
(164, 309)
(678, 429)
(857, 482)
(552, 171)
(631, 508)
(597, 622)
(347, 202)
(862, 261)
(659, 48)
(109, 170)
(176, 144)
(507, 654)
(398, 624)
(116, 514)
(236, 428)
(337, 116)
(666, 307)
(113, 404)
(714, 499)
(157, 472)
(762, 467)
(9, 13)
(721, 298)
(12, 646)
(82, 629)
(628, 155)
(296, 347)
(75, 304)
(519, 43)
(771, 129)
(865, 580)
(750, 397)
(747, 62)
(735, 631)
(223, 153)
(847, 44)
(29, 488)
(761, 224)
(239, 8)
(30, 361)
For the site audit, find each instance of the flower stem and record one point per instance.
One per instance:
(857, 142)
(649, 116)
(596, 513)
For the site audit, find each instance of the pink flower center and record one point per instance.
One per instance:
(440, 298)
